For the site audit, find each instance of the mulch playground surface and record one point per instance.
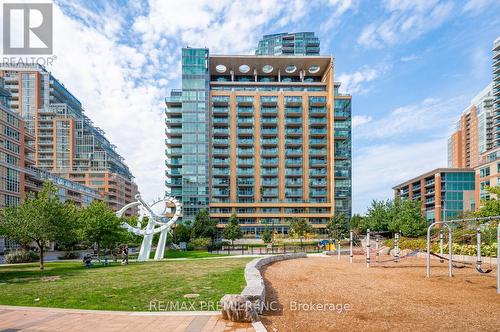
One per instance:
(324, 294)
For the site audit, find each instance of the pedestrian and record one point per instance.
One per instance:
(125, 255)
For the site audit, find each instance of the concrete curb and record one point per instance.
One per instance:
(255, 291)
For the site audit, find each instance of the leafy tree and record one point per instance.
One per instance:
(267, 236)
(379, 214)
(299, 227)
(203, 226)
(100, 225)
(232, 231)
(71, 237)
(338, 226)
(491, 207)
(358, 223)
(408, 219)
(181, 233)
(40, 218)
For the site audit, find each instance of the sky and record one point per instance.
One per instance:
(412, 67)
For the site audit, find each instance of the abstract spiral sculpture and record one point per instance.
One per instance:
(157, 223)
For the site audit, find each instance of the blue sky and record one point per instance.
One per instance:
(412, 67)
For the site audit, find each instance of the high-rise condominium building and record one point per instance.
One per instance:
(496, 90)
(66, 143)
(474, 132)
(300, 43)
(19, 176)
(265, 137)
(444, 192)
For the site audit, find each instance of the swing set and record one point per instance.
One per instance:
(489, 221)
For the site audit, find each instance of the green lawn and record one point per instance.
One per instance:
(190, 254)
(117, 287)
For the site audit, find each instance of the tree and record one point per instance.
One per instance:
(181, 233)
(408, 219)
(40, 218)
(232, 231)
(267, 236)
(491, 207)
(299, 227)
(379, 214)
(203, 226)
(338, 226)
(358, 223)
(100, 225)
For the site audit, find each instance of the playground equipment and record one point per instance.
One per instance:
(448, 224)
(157, 223)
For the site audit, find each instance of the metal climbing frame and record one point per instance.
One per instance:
(450, 258)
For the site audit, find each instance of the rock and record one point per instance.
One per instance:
(237, 308)
(384, 251)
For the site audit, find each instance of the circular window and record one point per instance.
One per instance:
(244, 69)
(290, 69)
(314, 69)
(267, 69)
(220, 69)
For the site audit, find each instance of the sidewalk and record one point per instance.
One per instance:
(51, 319)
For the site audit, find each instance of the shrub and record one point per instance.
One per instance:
(21, 257)
(201, 242)
(69, 255)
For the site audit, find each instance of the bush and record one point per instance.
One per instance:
(69, 255)
(21, 257)
(200, 242)
(407, 243)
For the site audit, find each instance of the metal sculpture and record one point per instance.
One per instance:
(157, 223)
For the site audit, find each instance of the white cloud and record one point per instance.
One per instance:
(430, 115)
(408, 19)
(378, 168)
(408, 58)
(476, 6)
(355, 83)
(359, 120)
(339, 8)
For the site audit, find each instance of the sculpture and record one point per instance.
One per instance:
(157, 223)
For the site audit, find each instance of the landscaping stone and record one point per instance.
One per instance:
(237, 308)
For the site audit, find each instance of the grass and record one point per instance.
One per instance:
(117, 287)
(192, 254)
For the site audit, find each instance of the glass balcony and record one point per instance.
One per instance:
(293, 193)
(293, 141)
(246, 162)
(317, 131)
(220, 151)
(320, 152)
(269, 193)
(294, 182)
(172, 141)
(317, 121)
(220, 192)
(220, 131)
(245, 181)
(271, 152)
(268, 110)
(244, 110)
(269, 171)
(269, 131)
(269, 161)
(317, 101)
(293, 162)
(317, 141)
(317, 183)
(269, 182)
(293, 172)
(293, 152)
(245, 192)
(341, 133)
(220, 181)
(269, 101)
(245, 171)
(317, 161)
(220, 141)
(221, 171)
(245, 152)
(244, 99)
(267, 121)
(317, 172)
(243, 141)
(269, 141)
(220, 101)
(220, 121)
(293, 101)
(245, 131)
(220, 110)
(220, 161)
(245, 120)
(293, 131)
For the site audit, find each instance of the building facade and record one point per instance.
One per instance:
(66, 143)
(445, 193)
(18, 174)
(277, 134)
(496, 91)
(474, 132)
(488, 173)
(300, 43)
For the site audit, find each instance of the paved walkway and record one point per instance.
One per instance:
(13, 319)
